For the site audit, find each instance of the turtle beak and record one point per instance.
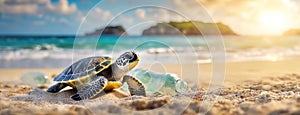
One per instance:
(134, 62)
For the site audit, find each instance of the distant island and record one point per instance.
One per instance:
(109, 30)
(188, 28)
(292, 32)
(170, 28)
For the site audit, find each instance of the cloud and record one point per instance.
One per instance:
(125, 20)
(15, 7)
(36, 6)
(62, 7)
(101, 14)
(97, 15)
(190, 9)
(140, 13)
(95, 18)
(241, 15)
(158, 15)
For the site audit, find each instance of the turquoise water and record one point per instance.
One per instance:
(103, 43)
(60, 51)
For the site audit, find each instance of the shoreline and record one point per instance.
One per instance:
(253, 70)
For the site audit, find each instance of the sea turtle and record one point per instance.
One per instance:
(93, 76)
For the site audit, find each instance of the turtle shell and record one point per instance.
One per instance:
(84, 68)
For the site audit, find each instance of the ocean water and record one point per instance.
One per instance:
(61, 51)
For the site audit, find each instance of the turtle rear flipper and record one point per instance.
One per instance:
(91, 89)
(135, 86)
(57, 87)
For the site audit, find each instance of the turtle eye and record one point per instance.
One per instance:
(128, 55)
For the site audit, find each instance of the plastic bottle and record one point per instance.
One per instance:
(34, 78)
(159, 83)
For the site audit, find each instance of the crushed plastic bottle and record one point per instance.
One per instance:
(159, 83)
(34, 78)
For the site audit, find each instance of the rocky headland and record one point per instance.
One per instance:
(189, 28)
(109, 30)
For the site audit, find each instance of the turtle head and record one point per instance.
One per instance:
(127, 61)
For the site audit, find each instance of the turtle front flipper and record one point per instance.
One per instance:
(135, 86)
(91, 89)
(57, 87)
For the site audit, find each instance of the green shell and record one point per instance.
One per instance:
(83, 69)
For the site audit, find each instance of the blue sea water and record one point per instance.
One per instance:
(60, 51)
(106, 43)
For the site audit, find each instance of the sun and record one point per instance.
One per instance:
(272, 22)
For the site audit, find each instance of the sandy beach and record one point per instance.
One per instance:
(258, 87)
(191, 57)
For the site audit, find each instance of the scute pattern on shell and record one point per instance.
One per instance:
(83, 67)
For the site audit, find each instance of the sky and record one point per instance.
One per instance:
(69, 17)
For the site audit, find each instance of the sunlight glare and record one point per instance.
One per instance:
(273, 22)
